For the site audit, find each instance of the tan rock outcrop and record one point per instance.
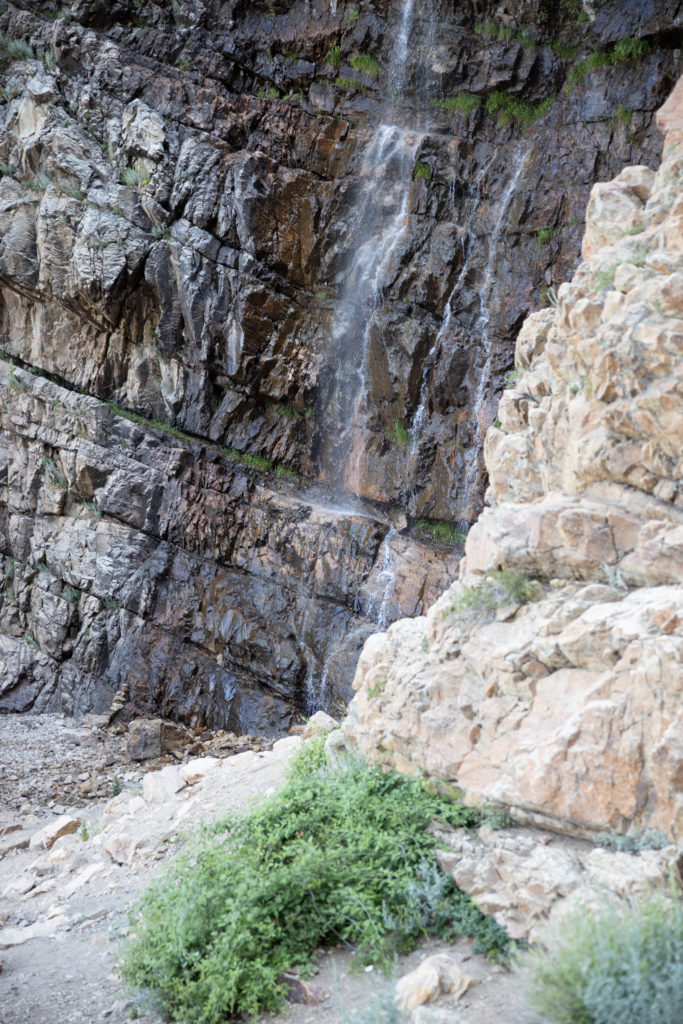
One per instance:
(548, 679)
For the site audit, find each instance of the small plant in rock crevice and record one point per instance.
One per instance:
(509, 108)
(500, 587)
(465, 102)
(398, 434)
(365, 64)
(442, 532)
(634, 842)
(423, 171)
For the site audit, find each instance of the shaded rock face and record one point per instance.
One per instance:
(179, 210)
(548, 679)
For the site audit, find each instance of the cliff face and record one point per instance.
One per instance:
(548, 679)
(257, 264)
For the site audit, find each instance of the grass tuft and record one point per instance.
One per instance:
(509, 108)
(364, 64)
(398, 434)
(464, 102)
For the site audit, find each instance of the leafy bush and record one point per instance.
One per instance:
(337, 855)
(423, 171)
(334, 55)
(624, 964)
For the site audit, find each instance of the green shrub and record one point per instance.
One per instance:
(339, 855)
(623, 965)
(512, 376)
(282, 409)
(544, 235)
(423, 171)
(364, 64)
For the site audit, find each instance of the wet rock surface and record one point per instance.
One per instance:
(548, 678)
(179, 208)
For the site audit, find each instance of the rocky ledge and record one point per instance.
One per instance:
(548, 678)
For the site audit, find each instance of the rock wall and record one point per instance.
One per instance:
(548, 679)
(178, 209)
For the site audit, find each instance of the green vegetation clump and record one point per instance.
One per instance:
(465, 102)
(282, 409)
(564, 50)
(133, 178)
(509, 108)
(337, 855)
(624, 963)
(349, 83)
(650, 839)
(441, 532)
(423, 171)
(605, 277)
(334, 55)
(14, 49)
(247, 459)
(398, 434)
(622, 52)
(364, 64)
(502, 586)
(544, 235)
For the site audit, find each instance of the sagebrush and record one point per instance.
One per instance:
(623, 965)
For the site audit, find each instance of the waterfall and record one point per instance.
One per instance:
(379, 229)
(482, 325)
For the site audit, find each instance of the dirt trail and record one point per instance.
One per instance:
(64, 909)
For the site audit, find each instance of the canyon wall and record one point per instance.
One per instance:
(548, 679)
(197, 497)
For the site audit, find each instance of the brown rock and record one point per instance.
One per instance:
(46, 837)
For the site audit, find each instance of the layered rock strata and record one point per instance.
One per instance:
(548, 679)
(178, 211)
